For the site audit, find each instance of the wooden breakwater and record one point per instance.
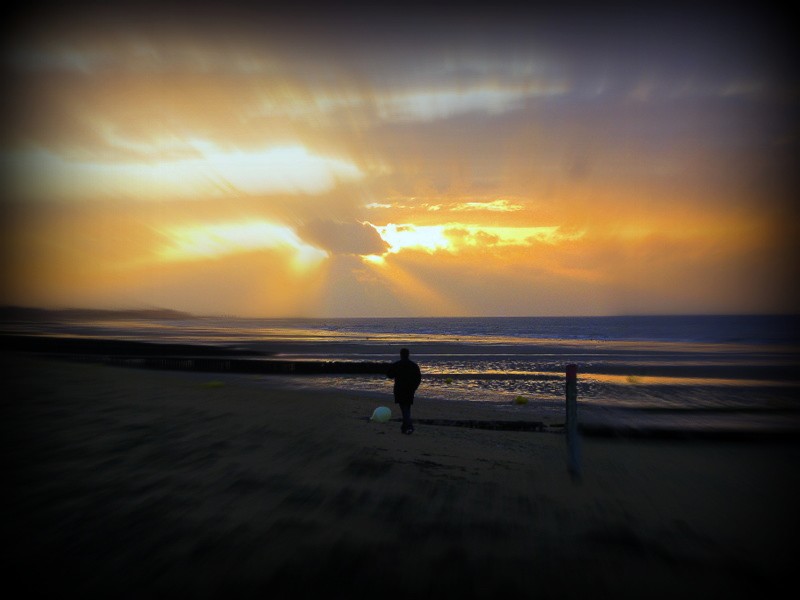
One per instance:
(182, 357)
(250, 366)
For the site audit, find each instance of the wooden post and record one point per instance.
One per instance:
(573, 439)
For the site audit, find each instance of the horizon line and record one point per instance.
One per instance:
(5, 310)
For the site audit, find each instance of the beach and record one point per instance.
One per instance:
(140, 483)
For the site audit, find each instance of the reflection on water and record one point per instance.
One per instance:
(670, 402)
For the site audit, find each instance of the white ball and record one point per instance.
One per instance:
(381, 414)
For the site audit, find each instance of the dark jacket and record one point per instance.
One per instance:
(407, 376)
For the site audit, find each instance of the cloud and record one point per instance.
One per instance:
(348, 237)
(290, 169)
(205, 241)
(429, 105)
(492, 206)
(485, 147)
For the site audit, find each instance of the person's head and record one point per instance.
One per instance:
(404, 353)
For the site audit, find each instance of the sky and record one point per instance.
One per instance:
(400, 160)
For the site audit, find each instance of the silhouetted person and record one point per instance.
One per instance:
(407, 377)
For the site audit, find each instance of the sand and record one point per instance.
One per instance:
(137, 483)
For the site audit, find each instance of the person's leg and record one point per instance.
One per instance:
(407, 424)
(406, 410)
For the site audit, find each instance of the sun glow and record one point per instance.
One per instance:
(426, 237)
(212, 241)
(453, 237)
(283, 168)
(192, 169)
(374, 259)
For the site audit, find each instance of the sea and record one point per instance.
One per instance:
(679, 372)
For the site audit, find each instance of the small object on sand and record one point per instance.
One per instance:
(449, 380)
(213, 384)
(520, 400)
(381, 414)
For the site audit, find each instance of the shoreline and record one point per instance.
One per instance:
(779, 364)
(751, 423)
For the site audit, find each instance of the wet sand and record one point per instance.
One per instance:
(138, 483)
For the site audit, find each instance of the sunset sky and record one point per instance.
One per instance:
(400, 162)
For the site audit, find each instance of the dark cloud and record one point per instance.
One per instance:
(351, 237)
(379, 37)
